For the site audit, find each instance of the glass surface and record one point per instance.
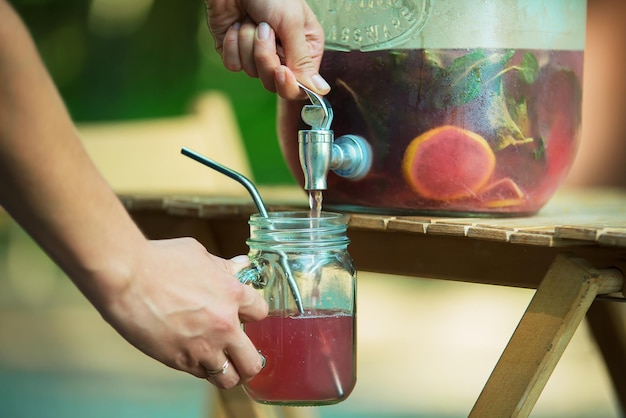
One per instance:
(309, 346)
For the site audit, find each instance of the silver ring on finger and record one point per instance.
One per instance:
(221, 370)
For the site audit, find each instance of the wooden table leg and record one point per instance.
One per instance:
(545, 330)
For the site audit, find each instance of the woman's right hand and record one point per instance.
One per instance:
(277, 41)
(183, 306)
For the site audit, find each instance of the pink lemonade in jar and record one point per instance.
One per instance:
(453, 131)
(310, 358)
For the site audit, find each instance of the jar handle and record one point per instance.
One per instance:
(251, 275)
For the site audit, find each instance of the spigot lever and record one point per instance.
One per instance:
(350, 156)
(319, 114)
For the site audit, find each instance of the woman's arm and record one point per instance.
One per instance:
(171, 299)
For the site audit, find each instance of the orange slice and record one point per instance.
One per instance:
(448, 163)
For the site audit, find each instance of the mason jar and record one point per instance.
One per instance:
(471, 107)
(301, 266)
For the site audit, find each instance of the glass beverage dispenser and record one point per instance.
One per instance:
(470, 107)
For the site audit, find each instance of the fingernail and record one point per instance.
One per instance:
(263, 31)
(240, 259)
(280, 75)
(263, 359)
(236, 26)
(320, 83)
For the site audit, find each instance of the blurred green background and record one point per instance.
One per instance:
(121, 60)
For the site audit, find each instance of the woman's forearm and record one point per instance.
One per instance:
(49, 184)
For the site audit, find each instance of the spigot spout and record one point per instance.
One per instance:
(315, 144)
(315, 151)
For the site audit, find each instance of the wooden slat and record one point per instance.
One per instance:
(490, 233)
(590, 231)
(408, 224)
(580, 232)
(139, 202)
(527, 238)
(375, 222)
(447, 228)
(190, 209)
(613, 238)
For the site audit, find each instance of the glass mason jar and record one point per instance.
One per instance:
(470, 106)
(303, 270)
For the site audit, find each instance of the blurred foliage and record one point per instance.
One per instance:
(114, 61)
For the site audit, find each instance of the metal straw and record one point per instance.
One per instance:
(233, 175)
(254, 192)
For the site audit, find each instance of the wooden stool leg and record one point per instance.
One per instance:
(234, 403)
(606, 320)
(299, 412)
(556, 310)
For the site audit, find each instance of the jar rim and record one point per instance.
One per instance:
(297, 229)
(297, 216)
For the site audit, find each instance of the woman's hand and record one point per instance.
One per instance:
(183, 307)
(278, 41)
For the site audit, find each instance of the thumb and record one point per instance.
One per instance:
(238, 263)
(303, 47)
(241, 259)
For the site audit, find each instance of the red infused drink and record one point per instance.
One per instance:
(310, 358)
(465, 131)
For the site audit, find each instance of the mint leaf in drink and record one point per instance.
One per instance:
(467, 76)
(529, 70)
(506, 124)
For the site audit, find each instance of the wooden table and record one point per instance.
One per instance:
(573, 252)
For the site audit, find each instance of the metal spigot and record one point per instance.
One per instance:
(349, 156)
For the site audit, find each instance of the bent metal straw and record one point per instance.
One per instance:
(254, 193)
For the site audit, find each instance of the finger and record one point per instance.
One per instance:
(222, 372)
(230, 48)
(265, 55)
(287, 85)
(246, 48)
(252, 306)
(246, 358)
(238, 262)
